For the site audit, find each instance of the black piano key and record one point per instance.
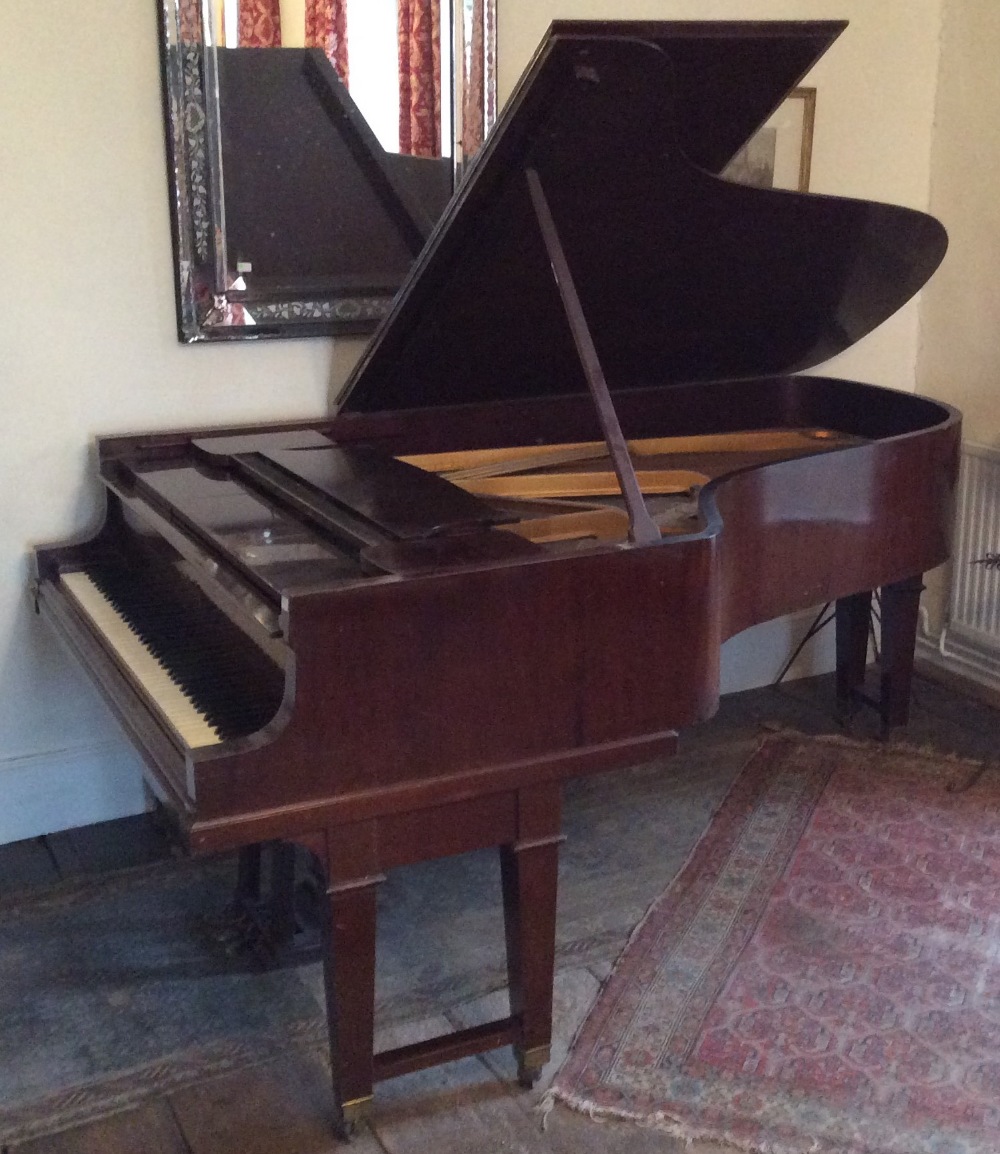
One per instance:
(226, 676)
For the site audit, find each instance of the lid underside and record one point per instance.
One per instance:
(682, 276)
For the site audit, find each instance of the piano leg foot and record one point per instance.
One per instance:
(900, 615)
(530, 1063)
(351, 1116)
(528, 875)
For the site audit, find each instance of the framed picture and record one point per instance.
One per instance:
(780, 154)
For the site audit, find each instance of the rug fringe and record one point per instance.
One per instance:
(776, 728)
(664, 1123)
(977, 766)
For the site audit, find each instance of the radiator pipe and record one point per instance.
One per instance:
(939, 640)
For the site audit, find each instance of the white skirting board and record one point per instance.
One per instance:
(977, 659)
(47, 792)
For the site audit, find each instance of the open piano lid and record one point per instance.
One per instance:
(682, 276)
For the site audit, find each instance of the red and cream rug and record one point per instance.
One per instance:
(824, 974)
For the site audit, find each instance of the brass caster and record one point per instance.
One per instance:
(352, 1114)
(530, 1063)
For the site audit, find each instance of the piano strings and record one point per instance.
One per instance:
(542, 473)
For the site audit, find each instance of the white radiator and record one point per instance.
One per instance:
(971, 638)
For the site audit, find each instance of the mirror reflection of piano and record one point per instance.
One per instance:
(314, 205)
(513, 554)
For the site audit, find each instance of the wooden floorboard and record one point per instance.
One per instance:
(107, 846)
(26, 865)
(964, 687)
(455, 1108)
(150, 1129)
(281, 1107)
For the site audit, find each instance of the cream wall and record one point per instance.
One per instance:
(959, 357)
(88, 343)
(960, 316)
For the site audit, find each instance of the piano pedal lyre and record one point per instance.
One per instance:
(276, 910)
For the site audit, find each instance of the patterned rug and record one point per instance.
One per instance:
(824, 973)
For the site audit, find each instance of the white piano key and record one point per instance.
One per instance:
(171, 701)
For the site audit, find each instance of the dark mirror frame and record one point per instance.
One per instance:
(209, 306)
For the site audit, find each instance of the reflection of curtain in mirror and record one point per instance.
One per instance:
(420, 77)
(326, 28)
(474, 77)
(259, 24)
(189, 21)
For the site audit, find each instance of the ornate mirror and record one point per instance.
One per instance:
(311, 147)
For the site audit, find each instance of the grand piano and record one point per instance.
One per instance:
(574, 459)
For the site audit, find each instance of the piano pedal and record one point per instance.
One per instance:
(278, 921)
(233, 931)
(846, 715)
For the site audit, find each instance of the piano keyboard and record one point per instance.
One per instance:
(205, 679)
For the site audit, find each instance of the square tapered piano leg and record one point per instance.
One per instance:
(349, 968)
(900, 615)
(900, 609)
(528, 872)
(349, 973)
(853, 625)
(524, 825)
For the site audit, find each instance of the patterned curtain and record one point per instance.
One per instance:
(326, 28)
(259, 24)
(420, 77)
